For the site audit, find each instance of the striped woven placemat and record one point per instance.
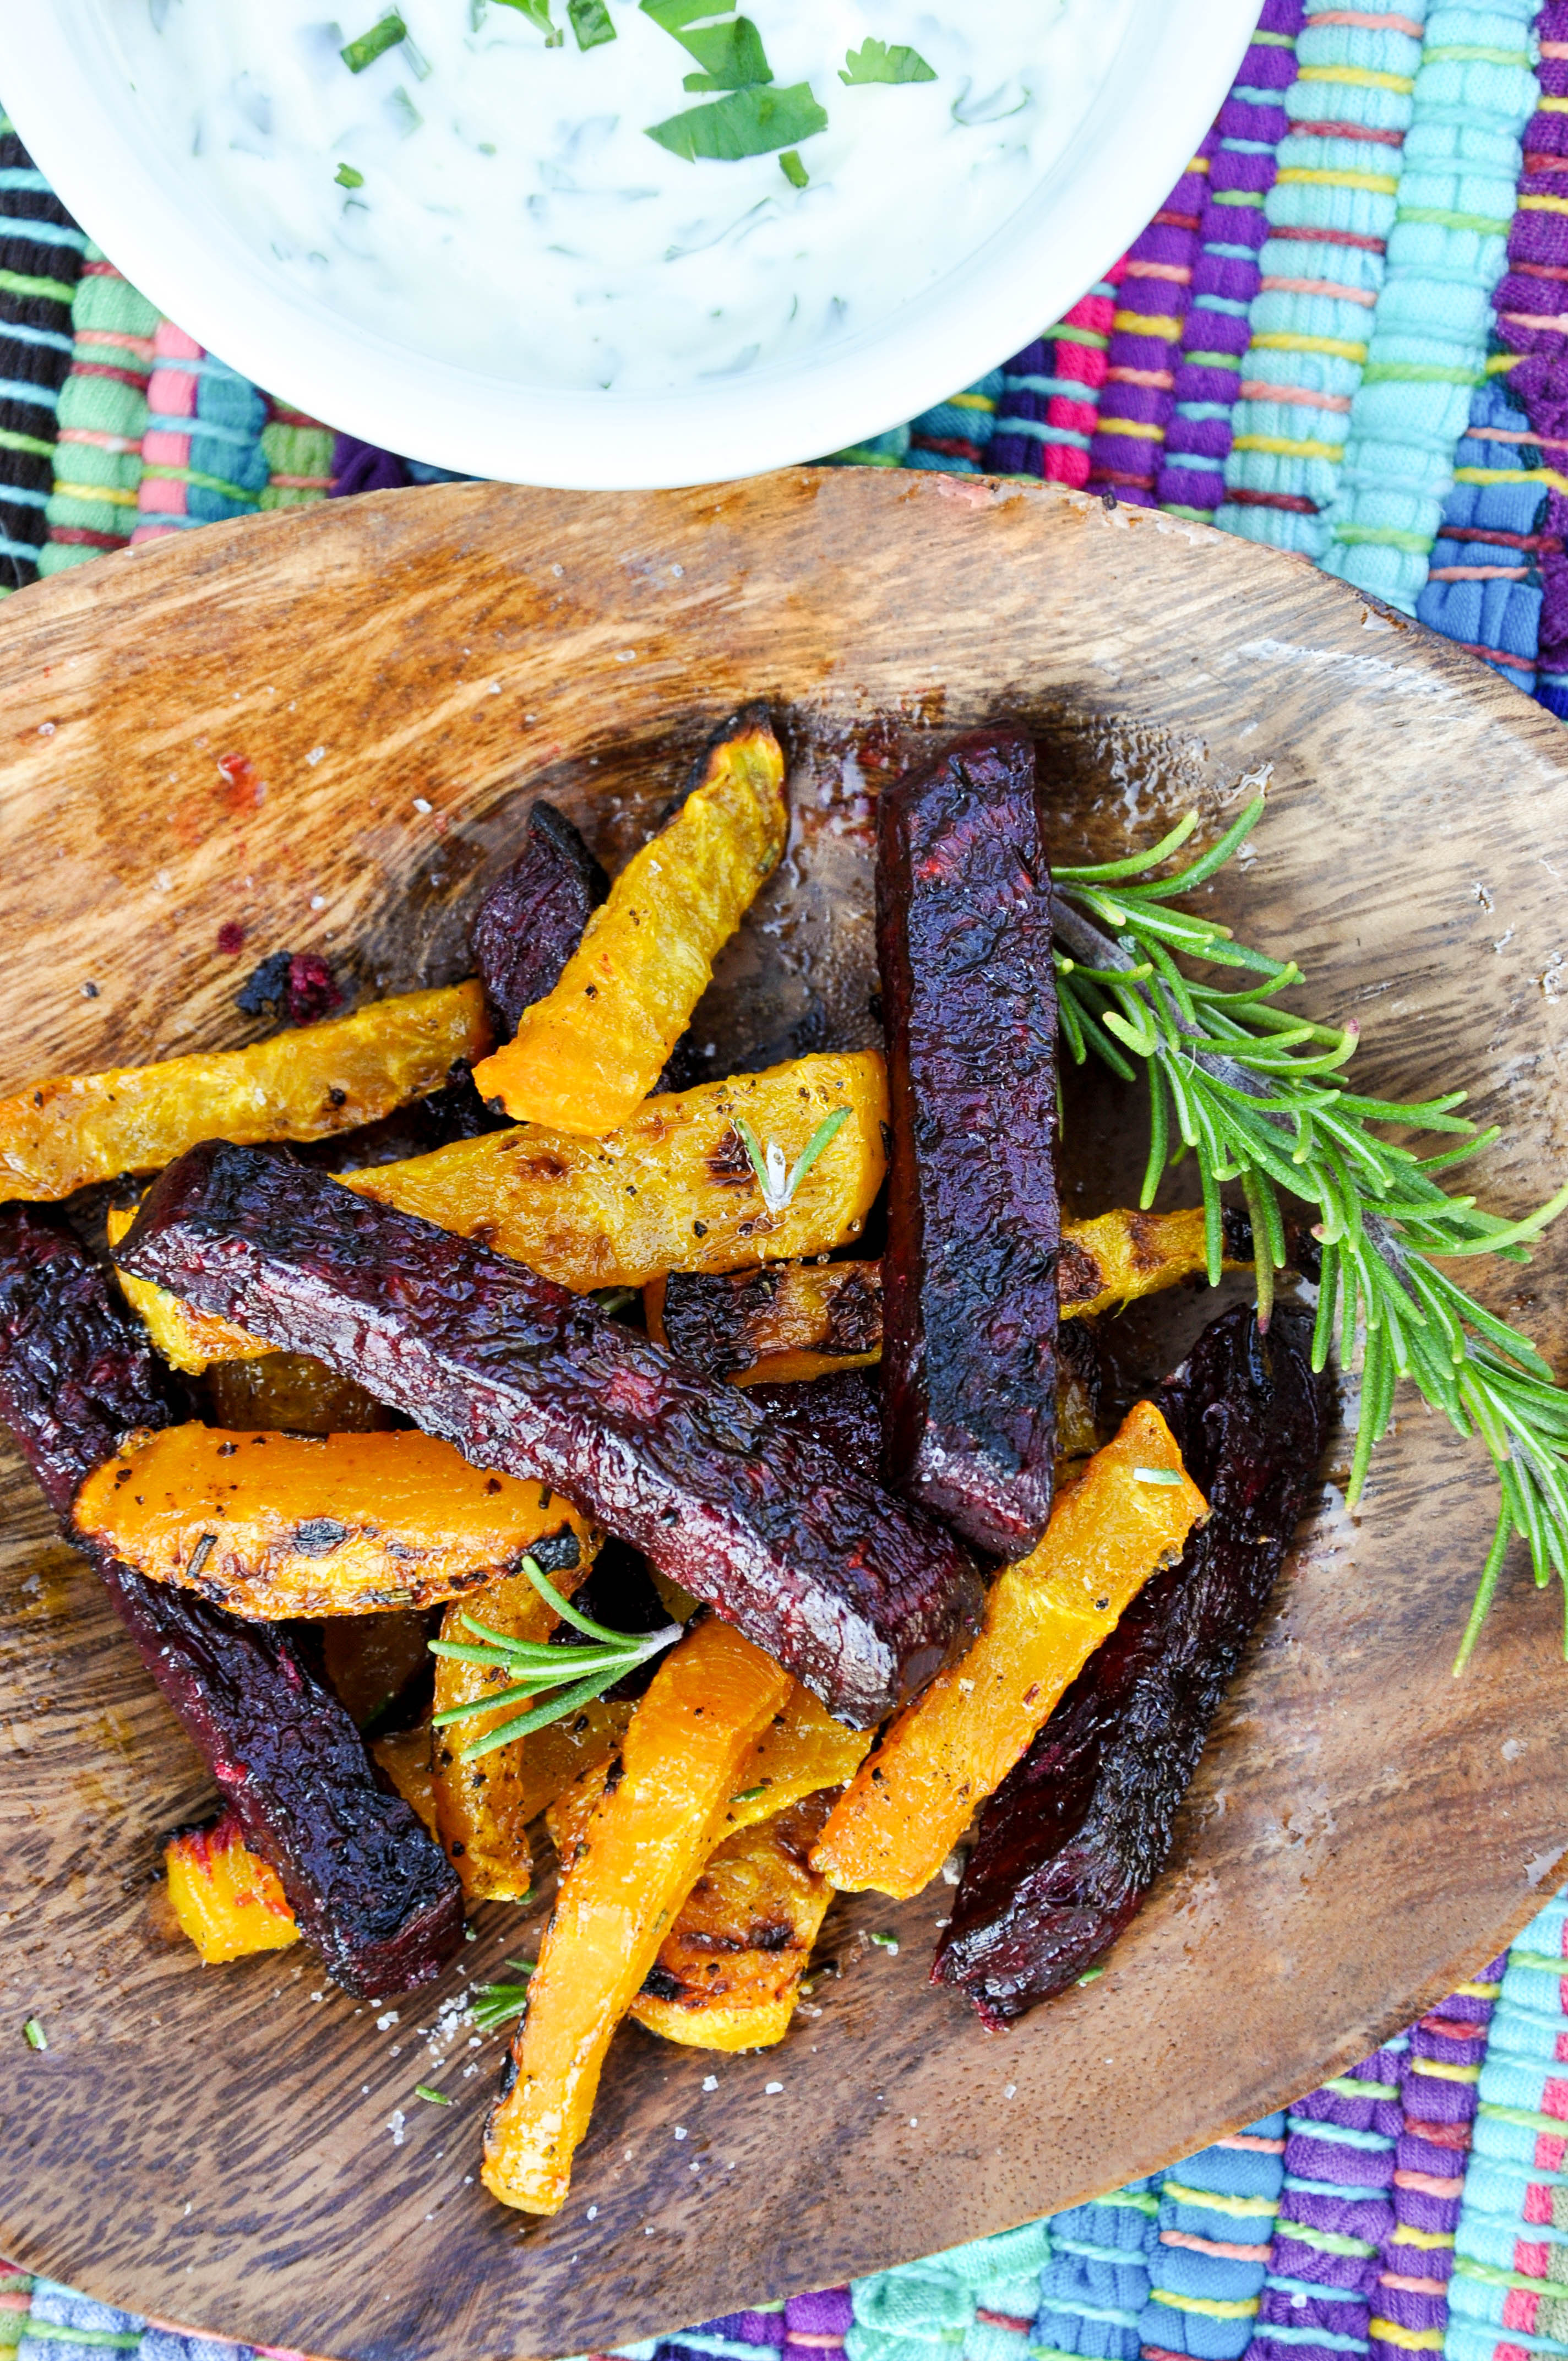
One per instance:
(1346, 333)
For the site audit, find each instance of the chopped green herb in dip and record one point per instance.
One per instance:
(635, 194)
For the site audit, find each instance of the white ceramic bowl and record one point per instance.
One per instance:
(88, 132)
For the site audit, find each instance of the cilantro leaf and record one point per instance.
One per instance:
(875, 62)
(731, 55)
(538, 14)
(747, 123)
(591, 22)
(673, 15)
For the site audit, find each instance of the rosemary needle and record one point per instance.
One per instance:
(1260, 1097)
(578, 1675)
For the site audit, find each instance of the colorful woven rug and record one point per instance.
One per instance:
(1344, 334)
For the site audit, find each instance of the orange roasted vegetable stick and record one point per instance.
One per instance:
(191, 1340)
(226, 1898)
(728, 1972)
(797, 1321)
(802, 1750)
(483, 1808)
(58, 1134)
(1127, 1516)
(673, 1190)
(587, 1055)
(647, 1841)
(277, 1525)
(404, 1756)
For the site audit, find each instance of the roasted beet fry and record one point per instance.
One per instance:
(369, 1889)
(859, 1596)
(532, 920)
(964, 900)
(795, 1320)
(1071, 1842)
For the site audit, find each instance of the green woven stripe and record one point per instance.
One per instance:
(1326, 2242)
(1379, 536)
(1417, 373)
(1471, 53)
(1345, 2086)
(1489, 2275)
(9, 441)
(1524, 2119)
(1541, 1959)
(1488, 226)
(1236, 197)
(204, 483)
(49, 290)
(113, 2340)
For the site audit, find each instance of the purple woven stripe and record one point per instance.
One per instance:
(1434, 2142)
(1531, 291)
(1192, 475)
(1347, 2280)
(363, 468)
(1125, 464)
(816, 2325)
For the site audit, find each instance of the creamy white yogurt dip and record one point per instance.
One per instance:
(486, 189)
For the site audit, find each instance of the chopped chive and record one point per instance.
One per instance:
(750, 1794)
(1090, 1975)
(436, 2098)
(347, 178)
(1156, 1474)
(34, 2035)
(884, 1942)
(792, 168)
(875, 62)
(591, 22)
(382, 37)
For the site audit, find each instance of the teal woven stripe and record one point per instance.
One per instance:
(1427, 349)
(1289, 455)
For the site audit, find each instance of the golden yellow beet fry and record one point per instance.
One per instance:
(272, 1526)
(57, 1134)
(1127, 1516)
(483, 1808)
(649, 1837)
(802, 1748)
(589, 1053)
(727, 1974)
(673, 1190)
(226, 1898)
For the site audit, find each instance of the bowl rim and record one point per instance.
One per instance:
(1170, 74)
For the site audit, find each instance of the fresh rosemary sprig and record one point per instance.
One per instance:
(777, 1184)
(1260, 1097)
(496, 2004)
(580, 1673)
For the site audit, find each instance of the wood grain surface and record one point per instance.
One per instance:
(241, 2149)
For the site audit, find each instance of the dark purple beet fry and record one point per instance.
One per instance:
(863, 1596)
(533, 918)
(1073, 1839)
(372, 1892)
(841, 1411)
(963, 898)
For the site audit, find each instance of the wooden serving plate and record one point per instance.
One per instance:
(241, 2149)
